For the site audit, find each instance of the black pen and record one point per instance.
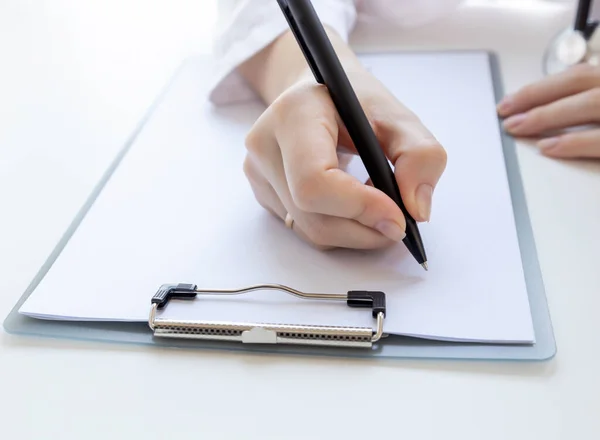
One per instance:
(327, 69)
(581, 17)
(582, 24)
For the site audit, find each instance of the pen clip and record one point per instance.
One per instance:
(296, 30)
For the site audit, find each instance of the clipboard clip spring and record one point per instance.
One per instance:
(262, 333)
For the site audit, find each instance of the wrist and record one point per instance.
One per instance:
(281, 65)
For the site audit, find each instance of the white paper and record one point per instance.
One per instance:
(179, 209)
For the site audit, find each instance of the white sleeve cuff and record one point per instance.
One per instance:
(253, 26)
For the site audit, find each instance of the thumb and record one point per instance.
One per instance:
(419, 161)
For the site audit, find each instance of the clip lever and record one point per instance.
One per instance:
(259, 335)
(262, 333)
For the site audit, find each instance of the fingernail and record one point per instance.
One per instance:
(548, 144)
(391, 230)
(424, 196)
(514, 121)
(506, 104)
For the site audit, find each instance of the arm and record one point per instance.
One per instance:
(250, 33)
(282, 64)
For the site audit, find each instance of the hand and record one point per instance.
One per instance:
(562, 101)
(293, 166)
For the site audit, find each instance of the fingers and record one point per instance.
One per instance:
(565, 100)
(579, 109)
(419, 162)
(318, 185)
(321, 231)
(328, 232)
(266, 172)
(570, 82)
(294, 148)
(268, 199)
(582, 144)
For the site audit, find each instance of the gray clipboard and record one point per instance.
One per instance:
(390, 347)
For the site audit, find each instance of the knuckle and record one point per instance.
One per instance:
(536, 118)
(317, 233)
(303, 101)
(287, 102)
(283, 103)
(258, 194)
(254, 142)
(259, 139)
(260, 187)
(433, 151)
(305, 193)
(251, 170)
(248, 168)
(594, 98)
(527, 94)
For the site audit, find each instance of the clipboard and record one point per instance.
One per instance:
(392, 346)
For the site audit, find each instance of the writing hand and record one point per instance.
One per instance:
(293, 166)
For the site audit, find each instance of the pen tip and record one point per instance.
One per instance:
(425, 265)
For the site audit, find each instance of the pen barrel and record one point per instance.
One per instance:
(372, 154)
(374, 159)
(327, 69)
(582, 14)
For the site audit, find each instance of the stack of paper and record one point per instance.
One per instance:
(179, 209)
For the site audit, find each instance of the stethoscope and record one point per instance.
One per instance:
(578, 44)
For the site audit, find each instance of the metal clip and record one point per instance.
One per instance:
(263, 333)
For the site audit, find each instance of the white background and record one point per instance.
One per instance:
(75, 76)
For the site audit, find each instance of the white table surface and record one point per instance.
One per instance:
(74, 78)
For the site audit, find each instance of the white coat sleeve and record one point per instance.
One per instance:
(253, 25)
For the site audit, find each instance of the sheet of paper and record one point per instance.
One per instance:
(179, 209)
